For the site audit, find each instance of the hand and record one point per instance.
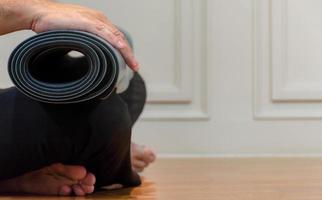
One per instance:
(50, 15)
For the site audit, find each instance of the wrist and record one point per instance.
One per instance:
(32, 12)
(39, 10)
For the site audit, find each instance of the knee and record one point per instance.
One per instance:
(110, 120)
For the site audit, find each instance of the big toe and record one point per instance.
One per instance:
(89, 179)
(143, 153)
(87, 184)
(71, 172)
(148, 155)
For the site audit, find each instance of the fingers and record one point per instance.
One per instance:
(68, 16)
(115, 37)
(120, 42)
(128, 56)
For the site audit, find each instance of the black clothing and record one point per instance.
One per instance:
(95, 134)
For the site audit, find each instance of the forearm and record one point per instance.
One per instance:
(18, 14)
(46, 15)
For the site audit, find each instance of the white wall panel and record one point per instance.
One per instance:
(7, 44)
(296, 50)
(251, 68)
(288, 62)
(170, 44)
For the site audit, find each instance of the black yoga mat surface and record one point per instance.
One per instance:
(66, 66)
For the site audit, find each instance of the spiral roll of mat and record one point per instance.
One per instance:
(66, 66)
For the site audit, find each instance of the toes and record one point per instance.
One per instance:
(88, 189)
(141, 157)
(138, 169)
(65, 191)
(149, 155)
(87, 184)
(78, 190)
(139, 164)
(89, 179)
(70, 172)
(144, 153)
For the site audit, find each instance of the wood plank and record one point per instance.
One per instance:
(222, 179)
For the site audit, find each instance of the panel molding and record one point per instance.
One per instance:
(274, 96)
(186, 97)
(283, 89)
(179, 91)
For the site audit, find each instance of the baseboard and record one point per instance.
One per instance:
(178, 156)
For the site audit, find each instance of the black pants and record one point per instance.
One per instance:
(94, 134)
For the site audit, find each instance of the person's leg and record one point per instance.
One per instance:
(135, 98)
(29, 146)
(107, 152)
(94, 134)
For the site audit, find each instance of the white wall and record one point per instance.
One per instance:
(224, 76)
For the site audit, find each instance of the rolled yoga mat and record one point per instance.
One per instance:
(46, 68)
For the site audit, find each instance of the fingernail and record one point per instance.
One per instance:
(135, 65)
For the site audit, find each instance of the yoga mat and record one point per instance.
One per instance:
(46, 68)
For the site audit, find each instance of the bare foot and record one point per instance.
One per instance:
(141, 157)
(56, 179)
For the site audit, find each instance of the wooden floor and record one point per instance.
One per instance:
(222, 179)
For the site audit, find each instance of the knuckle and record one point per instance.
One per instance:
(113, 38)
(117, 33)
(100, 26)
(100, 15)
(123, 47)
(121, 35)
